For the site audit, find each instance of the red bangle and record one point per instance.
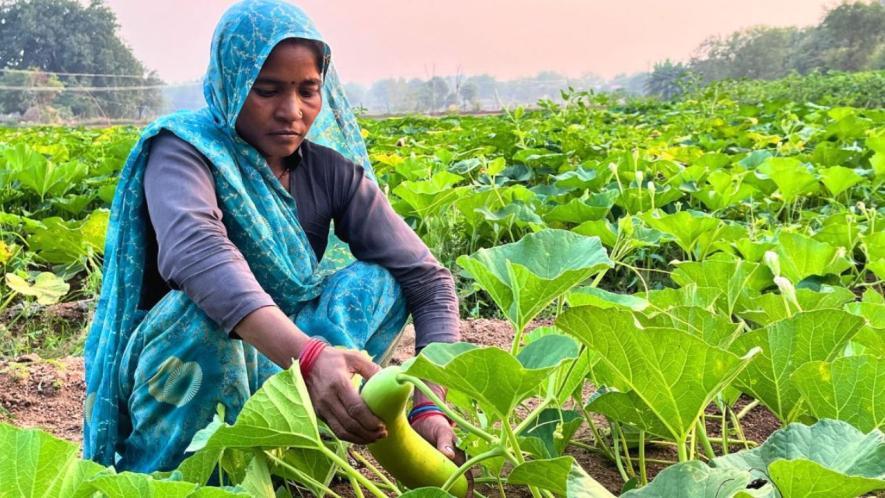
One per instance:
(309, 355)
(430, 414)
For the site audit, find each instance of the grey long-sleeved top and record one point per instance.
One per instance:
(194, 254)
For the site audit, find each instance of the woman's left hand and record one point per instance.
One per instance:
(438, 432)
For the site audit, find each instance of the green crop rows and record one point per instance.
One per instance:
(687, 253)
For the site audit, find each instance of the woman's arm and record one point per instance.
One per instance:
(375, 232)
(194, 252)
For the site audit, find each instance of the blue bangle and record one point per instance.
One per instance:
(424, 409)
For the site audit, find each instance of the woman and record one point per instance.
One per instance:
(211, 278)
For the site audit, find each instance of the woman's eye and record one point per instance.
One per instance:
(309, 94)
(263, 93)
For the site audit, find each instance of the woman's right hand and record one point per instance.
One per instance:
(329, 384)
(336, 400)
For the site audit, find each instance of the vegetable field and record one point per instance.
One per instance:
(687, 261)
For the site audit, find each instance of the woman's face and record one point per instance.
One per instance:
(283, 102)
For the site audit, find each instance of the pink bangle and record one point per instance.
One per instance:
(309, 355)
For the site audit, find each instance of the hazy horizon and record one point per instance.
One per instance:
(506, 39)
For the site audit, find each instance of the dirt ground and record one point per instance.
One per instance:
(49, 394)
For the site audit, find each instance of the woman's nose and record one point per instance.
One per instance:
(289, 109)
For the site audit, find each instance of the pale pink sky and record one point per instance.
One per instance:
(374, 39)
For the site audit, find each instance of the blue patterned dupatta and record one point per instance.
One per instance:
(154, 377)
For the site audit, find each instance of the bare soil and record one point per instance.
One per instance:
(48, 394)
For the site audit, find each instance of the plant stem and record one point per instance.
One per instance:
(692, 445)
(301, 475)
(745, 410)
(643, 473)
(514, 349)
(369, 465)
(724, 429)
(618, 464)
(350, 471)
(532, 416)
(514, 441)
(736, 422)
(680, 450)
(357, 490)
(597, 438)
(630, 471)
(492, 453)
(461, 421)
(705, 441)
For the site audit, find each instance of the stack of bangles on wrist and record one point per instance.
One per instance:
(424, 410)
(309, 355)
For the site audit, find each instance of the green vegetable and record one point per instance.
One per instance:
(404, 453)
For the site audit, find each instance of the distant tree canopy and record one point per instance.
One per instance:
(851, 37)
(64, 36)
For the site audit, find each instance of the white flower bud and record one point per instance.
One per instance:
(773, 262)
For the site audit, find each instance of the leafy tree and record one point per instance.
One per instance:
(31, 36)
(469, 94)
(21, 101)
(851, 33)
(433, 94)
(667, 79)
(760, 52)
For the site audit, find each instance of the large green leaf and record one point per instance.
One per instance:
(277, 415)
(769, 307)
(844, 458)
(554, 429)
(685, 227)
(667, 376)
(558, 475)
(129, 484)
(36, 464)
(802, 257)
(696, 480)
(48, 288)
(601, 298)
(429, 197)
(786, 345)
(806, 479)
(724, 190)
(736, 278)
(578, 211)
(838, 179)
(849, 389)
(791, 176)
(524, 277)
(495, 378)
(716, 330)
(41, 176)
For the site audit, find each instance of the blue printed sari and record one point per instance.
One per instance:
(154, 377)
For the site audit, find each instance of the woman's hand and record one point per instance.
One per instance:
(329, 384)
(438, 432)
(338, 402)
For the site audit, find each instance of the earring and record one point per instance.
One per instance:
(300, 113)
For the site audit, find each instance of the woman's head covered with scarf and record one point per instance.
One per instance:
(244, 38)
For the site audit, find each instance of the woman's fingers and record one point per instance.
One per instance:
(358, 411)
(337, 401)
(361, 364)
(339, 430)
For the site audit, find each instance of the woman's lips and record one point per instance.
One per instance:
(285, 136)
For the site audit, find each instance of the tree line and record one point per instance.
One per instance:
(85, 70)
(850, 37)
